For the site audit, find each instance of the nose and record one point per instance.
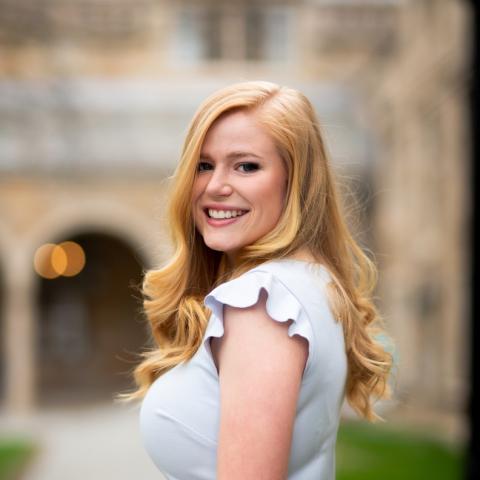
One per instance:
(218, 183)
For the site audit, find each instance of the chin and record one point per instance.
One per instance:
(220, 246)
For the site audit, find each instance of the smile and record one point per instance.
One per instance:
(222, 218)
(221, 214)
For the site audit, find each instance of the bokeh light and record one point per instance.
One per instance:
(52, 260)
(75, 258)
(42, 262)
(58, 259)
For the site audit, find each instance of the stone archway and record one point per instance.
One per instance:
(97, 215)
(90, 325)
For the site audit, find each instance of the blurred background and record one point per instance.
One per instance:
(95, 99)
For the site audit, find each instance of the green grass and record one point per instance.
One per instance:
(14, 455)
(376, 452)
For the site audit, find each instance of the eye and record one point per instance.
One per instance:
(203, 166)
(249, 166)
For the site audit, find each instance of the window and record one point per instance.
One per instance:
(226, 33)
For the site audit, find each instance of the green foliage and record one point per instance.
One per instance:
(374, 452)
(14, 455)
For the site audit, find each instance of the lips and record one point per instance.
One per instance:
(223, 222)
(236, 210)
(224, 214)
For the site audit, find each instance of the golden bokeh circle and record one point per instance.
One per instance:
(75, 256)
(42, 262)
(52, 260)
(58, 259)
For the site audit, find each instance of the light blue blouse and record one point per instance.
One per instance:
(179, 416)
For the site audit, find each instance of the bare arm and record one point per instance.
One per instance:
(260, 371)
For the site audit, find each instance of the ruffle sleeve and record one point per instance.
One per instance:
(281, 306)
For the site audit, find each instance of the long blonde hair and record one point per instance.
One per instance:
(174, 293)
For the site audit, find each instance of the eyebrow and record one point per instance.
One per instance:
(232, 155)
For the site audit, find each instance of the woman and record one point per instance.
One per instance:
(263, 317)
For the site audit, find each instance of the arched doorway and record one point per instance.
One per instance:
(90, 325)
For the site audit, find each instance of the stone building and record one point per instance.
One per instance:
(95, 97)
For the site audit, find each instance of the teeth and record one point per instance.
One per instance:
(225, 213)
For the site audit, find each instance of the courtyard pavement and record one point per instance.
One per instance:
(103, 442)
(100, 442)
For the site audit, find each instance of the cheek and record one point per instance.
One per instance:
(195, 197)
(271, 196)
(278, 190)
(197, 190)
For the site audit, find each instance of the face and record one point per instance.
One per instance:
(240, 184)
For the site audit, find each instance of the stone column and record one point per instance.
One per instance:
(19, 331)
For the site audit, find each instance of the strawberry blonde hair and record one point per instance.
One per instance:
(312, 218)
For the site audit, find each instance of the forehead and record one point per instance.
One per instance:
(238, 130)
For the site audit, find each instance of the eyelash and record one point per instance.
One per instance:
(241, 164)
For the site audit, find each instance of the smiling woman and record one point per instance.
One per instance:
(239, 169)
(263, 317)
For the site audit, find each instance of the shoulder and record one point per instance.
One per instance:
(278, 289)
(244, 290)
(282, 279)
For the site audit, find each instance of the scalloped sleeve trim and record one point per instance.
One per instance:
(281, 306)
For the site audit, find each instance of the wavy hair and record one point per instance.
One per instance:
(173, 294)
